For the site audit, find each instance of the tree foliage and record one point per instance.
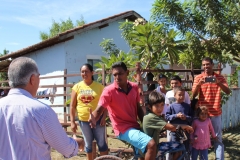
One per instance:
(59, 27)
(3, 75)
(209, 27)
(152, 43)
(114, 55)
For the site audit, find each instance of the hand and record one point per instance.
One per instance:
(183, 117)
(73, 127)
(201, 81)
(191, 141)
(217, 81)
(189, 129)
(80, 142)
(103, 121)
(215, 139)
(179, 115)
(92, 120)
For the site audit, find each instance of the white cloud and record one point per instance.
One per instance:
(40, 13)
(13, 43)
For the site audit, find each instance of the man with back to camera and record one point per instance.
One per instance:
(208, 86)
(30, 128)
(121, 99)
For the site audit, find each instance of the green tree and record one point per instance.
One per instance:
(152, 43)
(114, 55)
(3, 75)
(209, 27)
(59, 27)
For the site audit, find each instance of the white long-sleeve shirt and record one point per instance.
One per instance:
(29, 128)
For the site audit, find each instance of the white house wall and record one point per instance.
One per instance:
(72, 54)
(51, 61)
(86, 46)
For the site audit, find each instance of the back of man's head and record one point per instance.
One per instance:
(120, 64)
(20, 71)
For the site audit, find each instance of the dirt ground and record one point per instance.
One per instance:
(231, 140)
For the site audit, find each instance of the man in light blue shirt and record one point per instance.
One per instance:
(29, 128)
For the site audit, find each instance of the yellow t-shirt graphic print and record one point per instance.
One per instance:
(87, 97)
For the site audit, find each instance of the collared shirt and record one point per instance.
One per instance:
(30, 128)
(129, 87)
(122, 107)
(210, 94)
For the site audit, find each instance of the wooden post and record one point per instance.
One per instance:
(140, 86)
(192, 73)
(94, 149)
(104, 84)
(65, 99)
(103, 76)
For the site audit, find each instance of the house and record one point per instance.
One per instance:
(71, 49)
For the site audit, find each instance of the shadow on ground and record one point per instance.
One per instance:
(231, 141)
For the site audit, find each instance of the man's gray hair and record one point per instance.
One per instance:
(20, 71)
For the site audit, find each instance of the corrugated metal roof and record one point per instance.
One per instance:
(131, 15)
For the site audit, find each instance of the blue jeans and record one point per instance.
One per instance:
(202, 153)
(136, 138)
(218, 145)
(97, 133)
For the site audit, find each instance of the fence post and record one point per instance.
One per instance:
(239, 79)
(65, 99)
(140, 86)
(104, 84)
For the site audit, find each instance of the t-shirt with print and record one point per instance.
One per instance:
(87, 97)
(152, 125)
(169, 99)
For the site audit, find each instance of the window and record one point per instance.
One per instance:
(93, 62)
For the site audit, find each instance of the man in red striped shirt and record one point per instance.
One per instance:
(208, 86)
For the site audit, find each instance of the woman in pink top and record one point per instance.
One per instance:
(200, 138)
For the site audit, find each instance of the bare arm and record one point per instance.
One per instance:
(103, 120)
(95, 115)
(140, 112)
(185, 127)
(170, 127)
(73, 106)
(224, 88)
(195, 91)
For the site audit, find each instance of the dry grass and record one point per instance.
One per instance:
(231, 140)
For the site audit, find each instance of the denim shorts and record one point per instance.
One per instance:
(97, 133)
(136, 138)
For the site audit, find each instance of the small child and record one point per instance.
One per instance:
(153, 123)
(175, 81)
(162, 81)
(179, 113)
(200, 138)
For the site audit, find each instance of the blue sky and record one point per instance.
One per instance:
(22, 20)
